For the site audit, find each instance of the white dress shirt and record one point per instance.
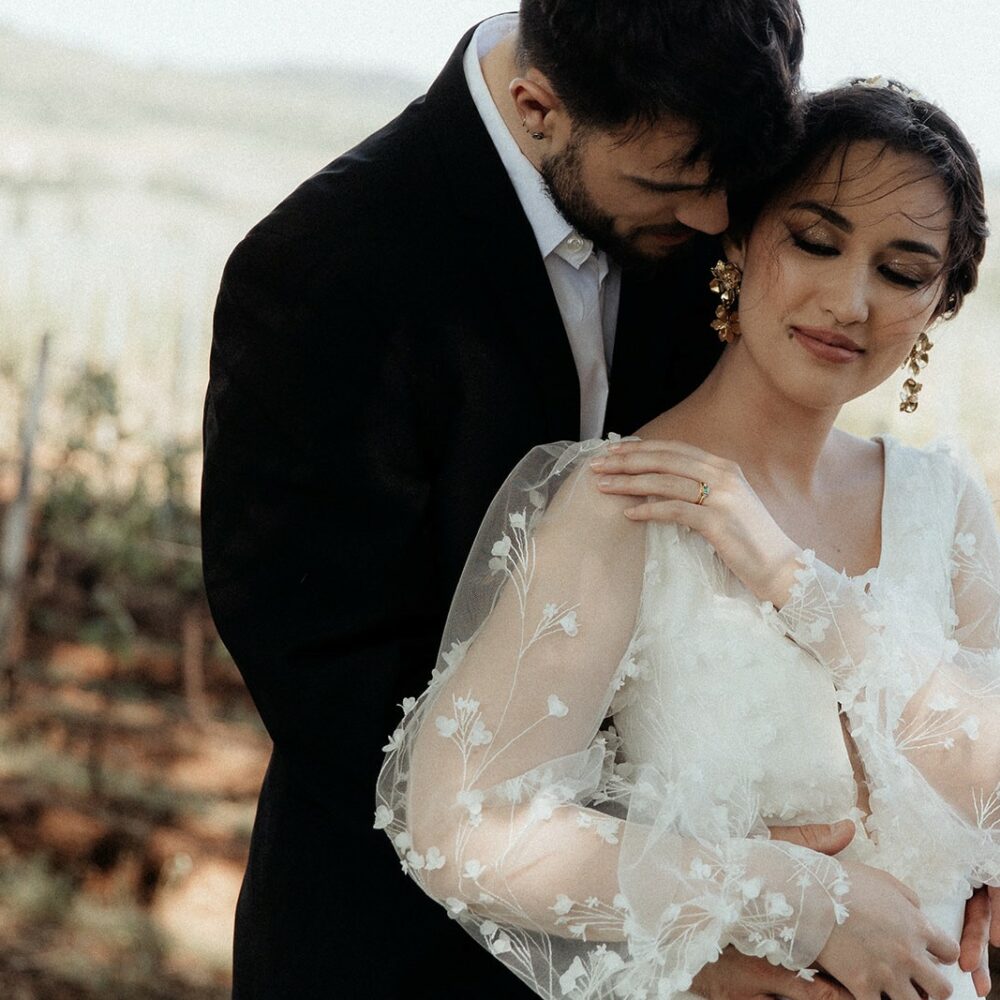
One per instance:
(585, 283)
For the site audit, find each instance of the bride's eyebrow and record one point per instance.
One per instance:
(834, 218)
(910, 246)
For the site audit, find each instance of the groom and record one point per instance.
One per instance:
(522, 256)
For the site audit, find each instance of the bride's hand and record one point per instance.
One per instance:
(731, 517)
(887, 947)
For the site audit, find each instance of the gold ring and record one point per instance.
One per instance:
(703, 493)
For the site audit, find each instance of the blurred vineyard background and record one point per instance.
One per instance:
(130, 754)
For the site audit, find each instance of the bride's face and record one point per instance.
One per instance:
(843, 273)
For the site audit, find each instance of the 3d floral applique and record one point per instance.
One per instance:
(472, 801)
(446, 727)
(557, 708)
(395, 741)
(474, 869)
(606, 827)
(434, 859)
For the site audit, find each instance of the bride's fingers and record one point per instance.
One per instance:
(665, 462)
(655, 484)
(905, 990)
(933, 981)
(670, 512)
(680, 447)
(943, 946)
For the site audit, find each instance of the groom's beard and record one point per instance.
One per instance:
(563, 176)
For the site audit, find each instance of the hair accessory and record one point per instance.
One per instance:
(915, 362)
(885, 83)
(726, 278)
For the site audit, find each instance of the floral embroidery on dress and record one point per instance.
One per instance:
(599, 860)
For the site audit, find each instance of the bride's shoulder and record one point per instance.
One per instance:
(941, 470)
(946, 456)
(940, 453)
(556, 481)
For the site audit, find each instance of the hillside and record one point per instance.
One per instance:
(123, 189)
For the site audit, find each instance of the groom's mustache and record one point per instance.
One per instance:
(675, 231)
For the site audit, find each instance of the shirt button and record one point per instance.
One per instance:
(574, 243)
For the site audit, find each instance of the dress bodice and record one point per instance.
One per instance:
(720, 702)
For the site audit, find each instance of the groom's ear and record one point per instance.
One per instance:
(537, 102)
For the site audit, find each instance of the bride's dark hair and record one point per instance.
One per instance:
(886, 112)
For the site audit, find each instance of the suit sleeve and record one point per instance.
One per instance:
(316, 483)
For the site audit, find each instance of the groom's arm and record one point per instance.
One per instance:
(315, 488)
(736, 976)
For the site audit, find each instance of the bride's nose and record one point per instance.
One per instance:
(845, 295)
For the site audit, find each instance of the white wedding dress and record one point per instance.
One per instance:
(599, 858)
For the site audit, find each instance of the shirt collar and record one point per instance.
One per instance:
(552, 232)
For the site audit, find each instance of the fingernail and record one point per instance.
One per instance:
(598, 463)
(604, 483)
(630, 513)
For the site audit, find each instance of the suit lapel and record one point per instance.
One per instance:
(664, 346)
(498, 239)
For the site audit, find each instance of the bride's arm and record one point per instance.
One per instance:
(492, 785)
(932, 690)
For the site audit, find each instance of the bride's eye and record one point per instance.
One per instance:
(898, 277)
(813, 247)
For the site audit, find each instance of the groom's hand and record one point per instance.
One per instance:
(982, 928)
(825, 838)
(736, 976)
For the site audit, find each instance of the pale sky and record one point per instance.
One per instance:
(948, 50)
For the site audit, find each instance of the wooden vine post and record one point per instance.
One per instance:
(16, 527)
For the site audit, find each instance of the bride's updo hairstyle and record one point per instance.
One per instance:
(886, 112)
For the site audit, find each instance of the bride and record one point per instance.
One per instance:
(739, 619)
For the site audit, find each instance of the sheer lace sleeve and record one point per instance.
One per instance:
(503, 797)
(919, 678)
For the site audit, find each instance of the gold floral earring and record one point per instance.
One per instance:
(726, 279)
(915, 363)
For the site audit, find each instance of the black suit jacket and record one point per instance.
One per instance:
(387, 346)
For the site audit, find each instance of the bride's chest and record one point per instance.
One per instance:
(720, 700)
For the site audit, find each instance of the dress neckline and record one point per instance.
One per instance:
(887, 442)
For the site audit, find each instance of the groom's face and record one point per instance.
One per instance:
(634, 195)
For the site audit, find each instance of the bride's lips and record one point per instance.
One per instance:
(826, 344)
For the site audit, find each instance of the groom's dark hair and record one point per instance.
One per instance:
(730, 68)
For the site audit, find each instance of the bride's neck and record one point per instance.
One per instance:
(737, 414)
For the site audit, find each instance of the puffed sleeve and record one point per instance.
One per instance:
(502, 795)
(921, 684)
